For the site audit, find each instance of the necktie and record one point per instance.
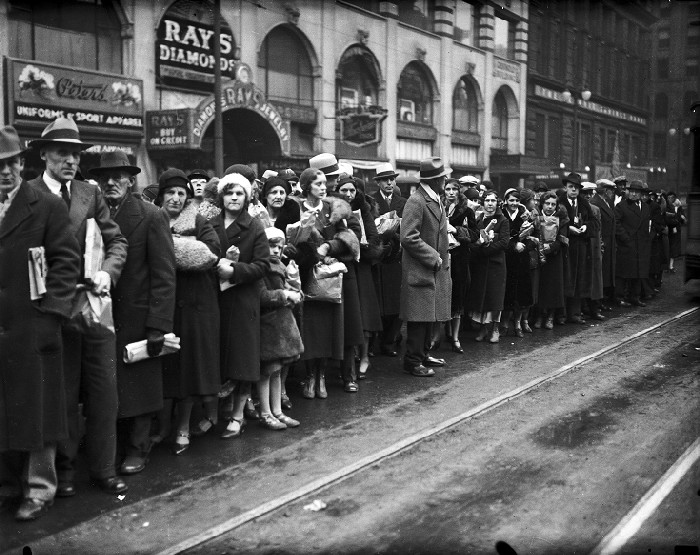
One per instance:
(639, 205)
(112, 210)
(64, 194)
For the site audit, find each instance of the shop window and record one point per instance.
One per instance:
(415, 95)
(418, 13)
(358, 80)
(287, 70)
(413, 149)
(466, 23)
(463, 155)
(661, 105)
(547, 137)
(465, 106)
(499, 125)
(504, 38)
(76, 33)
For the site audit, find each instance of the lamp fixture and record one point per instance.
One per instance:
(562, 165)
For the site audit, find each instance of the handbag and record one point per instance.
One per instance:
(326, 282)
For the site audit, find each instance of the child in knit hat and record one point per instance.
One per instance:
(280, 339)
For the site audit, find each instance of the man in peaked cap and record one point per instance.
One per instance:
(144, 303)
(88, 357)
(426, 285)
(632, 229)
(32, 399)
(198, 179)
(620, 188)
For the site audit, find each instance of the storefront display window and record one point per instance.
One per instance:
(465, 106)
(287, 71)
(358, 84)
(415, 95)
(499, 125)
(82, 34)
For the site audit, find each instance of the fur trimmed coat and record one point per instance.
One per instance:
(194, 370)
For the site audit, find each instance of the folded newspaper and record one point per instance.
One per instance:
(134, 352)
(36, 261)
(94, 249)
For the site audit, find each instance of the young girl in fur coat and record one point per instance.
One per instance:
(280, 340)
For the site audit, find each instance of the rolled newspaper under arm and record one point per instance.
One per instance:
(135, 352)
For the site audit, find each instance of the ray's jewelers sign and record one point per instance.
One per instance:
(40, 93)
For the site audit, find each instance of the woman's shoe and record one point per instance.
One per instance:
(271, 423)
(526, 327)
(495, 335)
(321, 391)
(518, 330)
(288, 421)
(483, 332)
(362, 369)
(286, 403)
(549, 324)
(182, 443)
(204, 425)
(538, 323)
(234, 428)
(249, 411)
(351, 387)
(457, 346)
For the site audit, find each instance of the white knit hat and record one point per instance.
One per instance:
(274, 233)
(235, 179)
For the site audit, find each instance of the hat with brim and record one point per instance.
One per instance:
(605, 183)
(174, 178)
(635, 185)
(572, 178)
(385, 171)
(469, 180)
(10, 144)
(116, 160)
(198, 174)
(433, 168)
(620, 180)
(588, 186)
(327, 163)
(61, 130)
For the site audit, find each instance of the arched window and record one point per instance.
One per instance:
(465, 107)
(75, 33)
(288, 75)
(661, 105)
(415, 95)
(499, 125)
(358, 79)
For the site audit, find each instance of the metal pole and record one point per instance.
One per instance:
(574, 154)
(218, 122)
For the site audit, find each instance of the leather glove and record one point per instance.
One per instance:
(155, 339)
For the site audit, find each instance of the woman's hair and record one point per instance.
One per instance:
(306, 177)
(545, 196)
(231, 181)
(491, 192)
(209, 192)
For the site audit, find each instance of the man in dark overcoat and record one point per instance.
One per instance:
(88, 358)
(426, 285)
(633, 224)
(604, 199)
(32, 397)
(578, 262)
(144, 302)
(388, 272)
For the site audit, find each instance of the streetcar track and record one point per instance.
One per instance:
(405, 444)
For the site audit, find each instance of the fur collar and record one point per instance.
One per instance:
(186, 222)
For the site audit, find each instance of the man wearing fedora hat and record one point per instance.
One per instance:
(426, 285)
(144, 302)
(88, 358)
(32, 396)
(604, 199)
(389, 198)
(328, 164)
(632, 229)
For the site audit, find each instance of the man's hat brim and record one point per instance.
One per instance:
(132, 170)
(38, 143)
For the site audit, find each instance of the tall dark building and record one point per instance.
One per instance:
(674, 86)
(588, 75)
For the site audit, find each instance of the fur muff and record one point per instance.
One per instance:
(190, 254)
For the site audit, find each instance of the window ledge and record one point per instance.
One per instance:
(415, 131)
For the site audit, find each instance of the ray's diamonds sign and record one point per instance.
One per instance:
(42, 92)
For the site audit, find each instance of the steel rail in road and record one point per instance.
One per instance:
(404, 444)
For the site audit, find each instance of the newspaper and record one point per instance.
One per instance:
(36, 260)
(134, 352)
(94, 249)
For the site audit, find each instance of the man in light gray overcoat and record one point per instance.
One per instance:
(426, 285)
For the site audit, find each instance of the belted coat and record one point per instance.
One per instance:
(32, 398)
(633, 239)
(143, 298)
(426, 292)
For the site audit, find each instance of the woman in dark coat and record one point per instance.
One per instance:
(193, 371)
(552, 233)
(518, 297)
(675, 219)
(281, 208)
(239, 304)
(353, 191)
(329, 330)
(488, 269)
(462, 226)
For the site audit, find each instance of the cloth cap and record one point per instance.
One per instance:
(198, 174)
(588, 186)
(230, 180)
(603, 183)
(469, 179)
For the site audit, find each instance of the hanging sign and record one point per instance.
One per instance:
(361, 126)
(168, 129)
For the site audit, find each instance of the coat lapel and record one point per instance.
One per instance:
(234, 230)
(129, 216)
(433, 206)
(19, 210)
(79, 201)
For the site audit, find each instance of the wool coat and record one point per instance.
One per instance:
(289, 214)
(144, 298)
(462, 218)
(32, 398)
(607, 235)
(594, 233)
(370, 254)
(388, 272)
(674, 220)
(194, 370)
(658, 253)
(551, 273)
(488, 267)
(240, 305)
(633, 239)
(518, 276)
(577, 260)
(426, 290)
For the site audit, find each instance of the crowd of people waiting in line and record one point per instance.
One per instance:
(227, 264)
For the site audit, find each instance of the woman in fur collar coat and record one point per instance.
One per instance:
(353, 190)
(194, 371)
(329, 330)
